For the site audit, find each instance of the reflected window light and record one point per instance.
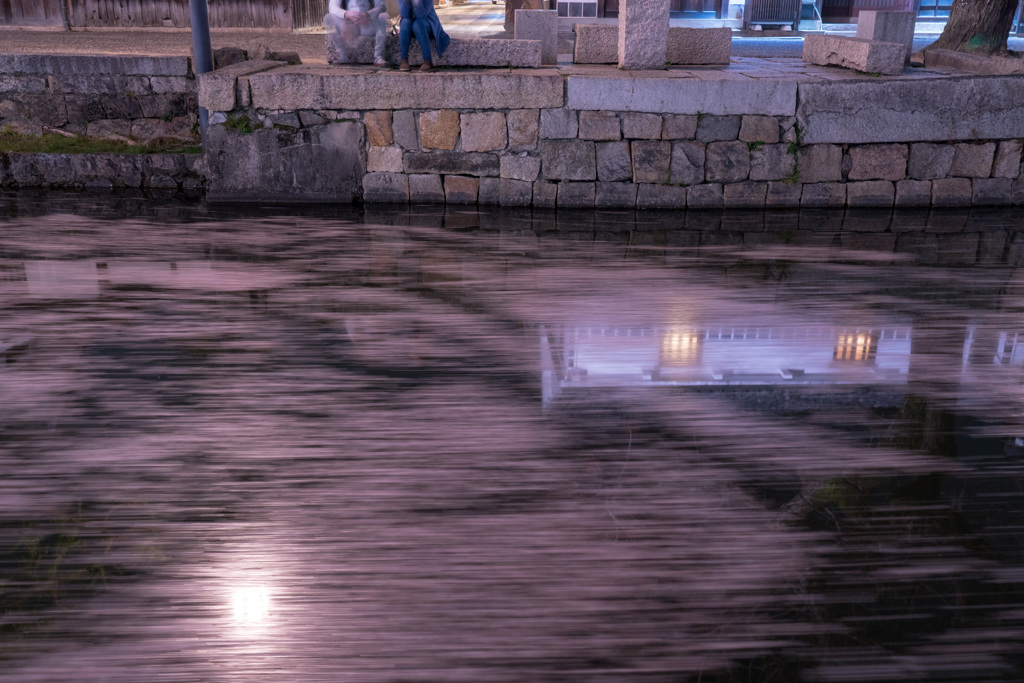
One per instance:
(681, 347)
(856, 346)
(250, 604)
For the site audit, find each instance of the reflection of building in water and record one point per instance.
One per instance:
(778, 354)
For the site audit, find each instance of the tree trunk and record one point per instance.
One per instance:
(977, 26)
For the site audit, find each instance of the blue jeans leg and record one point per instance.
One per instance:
(404, 37)
(422, 30)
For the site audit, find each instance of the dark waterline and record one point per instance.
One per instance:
(430, 444)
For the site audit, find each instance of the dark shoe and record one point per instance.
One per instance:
(404, 65)
(427, 66)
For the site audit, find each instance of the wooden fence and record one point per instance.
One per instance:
(32, 13)
(268, 14)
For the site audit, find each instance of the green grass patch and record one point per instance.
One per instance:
(52, 143)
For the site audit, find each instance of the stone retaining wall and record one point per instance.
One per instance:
(183, 172)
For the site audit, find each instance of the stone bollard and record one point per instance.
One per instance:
(542, 25)
(643, 34)
(888, 27)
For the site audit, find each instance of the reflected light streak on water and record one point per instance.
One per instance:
(509, 449)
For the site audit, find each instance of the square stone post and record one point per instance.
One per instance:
(643, 33)
(888, 27)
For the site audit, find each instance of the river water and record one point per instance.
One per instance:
(258, 444)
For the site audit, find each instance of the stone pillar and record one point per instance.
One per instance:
(888, 27)
(643, 33)
(542, 25)
(510, 11)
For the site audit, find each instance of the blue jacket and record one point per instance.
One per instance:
(424, 9)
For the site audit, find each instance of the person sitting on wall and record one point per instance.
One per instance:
(419, 18)
(348, 20)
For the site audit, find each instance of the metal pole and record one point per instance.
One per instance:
(202, 50)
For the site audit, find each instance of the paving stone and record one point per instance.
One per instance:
(515, 192)
(599, 125)
(456, 163)
(459, 189)
(878, 162)
(992, 192)
(759, 129)
(712, 128)
(951, 192)
(426, 188)
(386, 187)
(929, 161)
(484, 132)
(637, 126)
(691, 45)
(687, 165)
(542, 25)
(727, 162)
(868, 56)
(781, 195)
(596, 44)
(823, 194)
(568, 160)
(615, 195)
(520, 168)
(972, 160)
(888, 27)
(403, 127)
(576, 195)
(913, 192)
(745, 195)
(558, 123)
(488, 191)
(870, 193)
(378, 128)
(439, 129)
(660, 197)
(651, 160)
(678, 127)
(643, 34)
(545, 194)
(614, 162)
(384, 160)
(1008, 158)
(522, 129)
(820, 163)
(705, 196)
(771, 162)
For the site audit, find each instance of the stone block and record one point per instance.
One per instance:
(951, 192)
(378, 128)
(823, 194)
(615, 195)
(520, 168)
(888, 27)
(288, 119)
(1017, 191)
(992, 192)
(596, 44)
(426, 188)
(651, 160)
(643, 34)
(913, 193)
(712, 128)
(641, 126)
(820, 163)
(568, 160)
(309, 118)
(539, 25)
(746, 195)
(515, 192)
(759, 129)
(105, 128)
(869, 56)
(613, 161)
(972, 160)
(384, 160)
(878, 162)
(576, 195)
(216, 88)
(660, 197)
(783, 195)
(522, 129)
(129, 65)
(1008, 158)
(870, 193)
(465, 51)
(911, 110)
(22, 84)
(687, 165)
(599, 125)
(727, 162)
(385, 187)
(929, 161)
(558, 123)
(771, 162)
(696, 46)
(439, 129)
(458, 163)
(484, 132)
(460, 189)
(678, 127)
(488, 192)
(403, 128)
(706, 196)
(979, 64)
(545, 195)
